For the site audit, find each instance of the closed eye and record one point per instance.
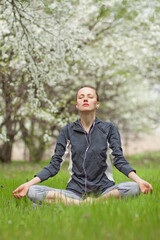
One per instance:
(81, 97)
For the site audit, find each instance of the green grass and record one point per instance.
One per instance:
(135, 219)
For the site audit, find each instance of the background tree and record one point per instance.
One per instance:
(49, 48)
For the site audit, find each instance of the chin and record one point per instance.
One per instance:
(87, 110)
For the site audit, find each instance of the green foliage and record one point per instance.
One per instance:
(49, 48)
(104, 12)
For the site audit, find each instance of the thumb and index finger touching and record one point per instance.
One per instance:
(19, 189)
(149, 187)
(16, 190)
(20, 192)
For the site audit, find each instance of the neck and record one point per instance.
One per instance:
(87, 119)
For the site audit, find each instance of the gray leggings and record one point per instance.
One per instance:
(37, 193)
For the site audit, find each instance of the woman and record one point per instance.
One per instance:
(90, 140)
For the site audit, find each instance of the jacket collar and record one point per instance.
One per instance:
(77, 126)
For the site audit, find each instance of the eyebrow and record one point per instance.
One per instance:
(87, 94)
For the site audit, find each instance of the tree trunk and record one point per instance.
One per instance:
(5, 152)
(33, 141)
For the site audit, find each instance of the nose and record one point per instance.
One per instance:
(85, 99)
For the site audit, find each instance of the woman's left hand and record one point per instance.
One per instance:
(145, 187)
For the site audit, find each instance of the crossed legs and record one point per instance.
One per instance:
(39, 193)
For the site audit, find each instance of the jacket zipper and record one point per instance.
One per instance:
(88, 145)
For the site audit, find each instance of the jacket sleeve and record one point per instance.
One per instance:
(55, 163)
(117, 154)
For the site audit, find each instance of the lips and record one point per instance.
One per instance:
(85, 105)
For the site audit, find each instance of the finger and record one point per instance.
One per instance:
(151, 189)
(143, 191)
(14, 194)
(147, 190)
(16, 190)
(17, 195)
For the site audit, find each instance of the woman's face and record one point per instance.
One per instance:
(87, 99)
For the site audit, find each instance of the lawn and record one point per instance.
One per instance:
(136, 219)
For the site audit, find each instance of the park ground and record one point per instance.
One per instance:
(131, 219)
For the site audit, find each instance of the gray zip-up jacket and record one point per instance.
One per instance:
(90, 167)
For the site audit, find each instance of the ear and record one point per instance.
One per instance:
(97, 106)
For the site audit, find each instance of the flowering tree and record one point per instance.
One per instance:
(49, 48)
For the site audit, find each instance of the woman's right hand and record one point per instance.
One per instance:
(21, 191)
